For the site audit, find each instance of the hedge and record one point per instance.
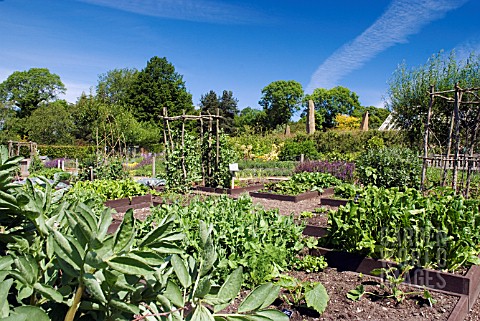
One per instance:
(69, 151)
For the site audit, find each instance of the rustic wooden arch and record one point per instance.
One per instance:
(207, 167)
(456, 159)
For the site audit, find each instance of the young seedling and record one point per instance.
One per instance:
(392, 278)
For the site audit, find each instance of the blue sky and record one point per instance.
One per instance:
(240, 46)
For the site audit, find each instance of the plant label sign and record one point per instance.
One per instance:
(233, 167)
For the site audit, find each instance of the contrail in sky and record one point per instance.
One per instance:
(191, 10)
(401, 19)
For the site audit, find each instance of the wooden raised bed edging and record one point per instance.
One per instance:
(333, 201)
(466, 287)
(124, 204)
(286, 198)
(230, 191)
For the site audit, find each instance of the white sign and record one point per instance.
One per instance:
(233, 167)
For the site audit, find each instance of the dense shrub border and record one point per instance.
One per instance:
(67, 151)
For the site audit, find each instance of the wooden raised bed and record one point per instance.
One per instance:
(286, 198)
(230, 191)
(123, 204)
(333, 201)
(466, 287)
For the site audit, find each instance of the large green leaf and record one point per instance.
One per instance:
(125, 234)
(181, 271)
(94, 287)
(48, 292)
(125, 307)
(67, 251)
(157, 234)
(259, 298)
(4, 289)
(201, 313)
(27, 312)
(173, 293)
(28, 267)
(204, 286)
(129, 265)
(317, 298)
(229, 289)
(273, 315)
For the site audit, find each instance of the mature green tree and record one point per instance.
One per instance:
(113, 86)
(376, 116)
(209, 103)
(27, 90)
(94, 118)
(408, 93)
(331, 102)
(280, 99)
(227, 107)
(51, 123)
(158, 85)
(250, 120)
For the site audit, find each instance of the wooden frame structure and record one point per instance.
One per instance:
(459, 152)
(31, 145)
(208, 170)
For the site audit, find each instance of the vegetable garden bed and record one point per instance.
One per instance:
(466, 287)
(136, 202)
(230, 191)
(286, 198)
(333, 201)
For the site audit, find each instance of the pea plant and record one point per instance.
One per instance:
(261, 241)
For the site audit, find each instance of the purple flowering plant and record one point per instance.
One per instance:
(340, 169)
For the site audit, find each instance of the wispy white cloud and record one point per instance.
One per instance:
(75, 90)
(191, 10)
(401, 19)
(465, 49)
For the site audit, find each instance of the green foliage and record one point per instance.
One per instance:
(353, 141)
(69, 151)
(389, 167)
(260, 241)
(220, 176)
(59, 263)
(436, 231)
(51, 123)
(112, 86)
(52, 173)
(109, 189)
(280, 99)
(36, 165)
(27, 90)
(292, 150)
(227, 107)
(156, 86)
(108, 169)
(302, 182)
(309, 263)
(347, 191)
(247, 164)
(375, 143)
(408, 96)
(394, 276)
(376, 116)
(311, 295)
(332, 102)
(250, 121)
(180, 179)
